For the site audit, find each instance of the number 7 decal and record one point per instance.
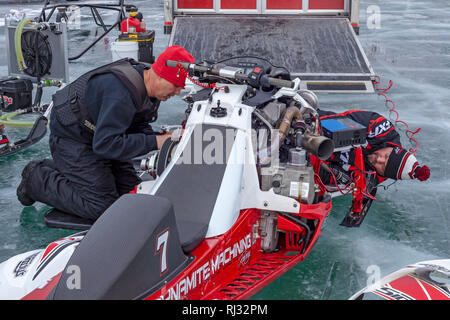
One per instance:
(162, 240)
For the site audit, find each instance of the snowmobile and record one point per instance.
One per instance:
(425, 280)
(235, 202)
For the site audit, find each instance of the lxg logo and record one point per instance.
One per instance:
(379, 129)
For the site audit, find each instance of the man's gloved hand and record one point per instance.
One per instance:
(160, 139)
(422, 173)
(174, 135)
(177, 133)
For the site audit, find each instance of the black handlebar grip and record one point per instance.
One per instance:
(281, 83)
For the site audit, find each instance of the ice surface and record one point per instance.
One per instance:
(409, 222)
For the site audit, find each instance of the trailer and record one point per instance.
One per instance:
(315, 39)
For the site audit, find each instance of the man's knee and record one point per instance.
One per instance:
(49, 186)
(95, 205)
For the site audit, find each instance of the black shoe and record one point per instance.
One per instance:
(21, 192)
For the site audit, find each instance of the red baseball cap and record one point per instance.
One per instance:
(172, 75)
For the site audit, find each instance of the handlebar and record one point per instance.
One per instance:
(281, 83)
(215, 70)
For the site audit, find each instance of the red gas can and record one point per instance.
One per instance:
(132, 25)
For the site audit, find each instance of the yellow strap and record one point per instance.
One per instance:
(6, 119)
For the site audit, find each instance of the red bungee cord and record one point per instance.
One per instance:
(185, 73)
(410, 134)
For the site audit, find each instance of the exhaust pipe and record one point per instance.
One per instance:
(320, 146)
(291, 113)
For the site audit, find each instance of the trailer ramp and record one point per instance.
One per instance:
(323, 52)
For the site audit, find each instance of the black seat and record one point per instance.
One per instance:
(124, 254)
(193, 189)
(59, 219)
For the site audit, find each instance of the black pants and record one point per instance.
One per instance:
(79, 182)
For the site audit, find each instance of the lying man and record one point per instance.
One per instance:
(383, 158)
(98, 124)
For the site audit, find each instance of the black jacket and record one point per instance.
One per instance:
(122, 133)
(380, 134)
(380, 131)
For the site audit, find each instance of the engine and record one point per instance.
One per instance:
(287, 133)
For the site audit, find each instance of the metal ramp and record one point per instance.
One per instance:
(323, 51)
